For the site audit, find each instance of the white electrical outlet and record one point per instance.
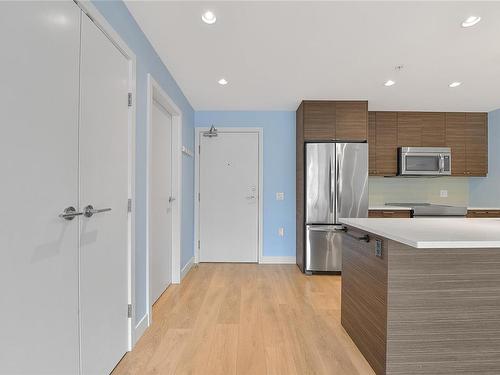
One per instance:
(280, 196)
(281, 232)
(443, 193)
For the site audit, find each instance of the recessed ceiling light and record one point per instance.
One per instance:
(209, 17)
(222, 81)
(471, 21)
(455, 84)
(389, 83)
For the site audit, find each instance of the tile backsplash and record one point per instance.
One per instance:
(419, 190)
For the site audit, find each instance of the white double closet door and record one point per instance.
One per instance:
(64, 143)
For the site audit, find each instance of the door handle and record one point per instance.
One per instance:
(89, 211)
(171, 199)
(251, 197)
(70, 213)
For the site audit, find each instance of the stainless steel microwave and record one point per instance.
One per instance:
(424, 161)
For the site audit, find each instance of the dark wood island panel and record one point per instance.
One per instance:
(422, 311)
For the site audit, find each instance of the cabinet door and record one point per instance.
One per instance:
(409, 129)
(387, 143)
(455, 139)
(319, 120)
(372, 143)
(476, 147)
(351, 121)
(433, 129)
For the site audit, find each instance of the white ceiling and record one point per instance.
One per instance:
(274, 54)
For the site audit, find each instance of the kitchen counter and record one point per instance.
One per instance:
(421, 296)
(433, 233)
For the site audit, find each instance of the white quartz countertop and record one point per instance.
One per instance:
(429, 233)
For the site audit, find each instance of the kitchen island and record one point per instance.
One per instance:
(422, 296)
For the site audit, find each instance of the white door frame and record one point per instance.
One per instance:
(155, 92)
(134, 331)
(198, 132)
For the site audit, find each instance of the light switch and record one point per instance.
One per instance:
(280, 196)
(443, 193)
(281, 232)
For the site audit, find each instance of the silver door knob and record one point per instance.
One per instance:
(70, 213)
(89, 211)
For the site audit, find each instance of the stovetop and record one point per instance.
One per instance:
(429, 209)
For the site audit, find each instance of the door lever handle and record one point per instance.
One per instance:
(89, 211)
(171, 199)
(70, 213)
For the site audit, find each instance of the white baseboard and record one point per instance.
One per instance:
(278, 260)
(187, 268)
(140, 328)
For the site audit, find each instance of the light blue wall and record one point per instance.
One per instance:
(279, 170)
(484, 191)
(148, 61)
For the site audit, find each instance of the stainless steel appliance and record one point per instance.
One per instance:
(424, 161)
(432, 210)
(336, 186)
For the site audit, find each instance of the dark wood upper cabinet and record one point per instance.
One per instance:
(351, 123)
(372, 143)
(456, 139)
(335, 120)
(433, 129)
(409, 129)
(467, 135)
(476, 146)
(319, 120)
(387, 143)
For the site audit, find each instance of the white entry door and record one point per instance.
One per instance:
(160, 225)
(39, 179)
(103, 185)
(229, 197)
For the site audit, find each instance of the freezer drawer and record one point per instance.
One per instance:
(324, 248)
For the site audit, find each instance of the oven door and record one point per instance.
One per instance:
(424, 164)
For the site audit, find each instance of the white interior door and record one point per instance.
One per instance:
(103, 184)
(160, 240)
(39, 179)
(229, 197)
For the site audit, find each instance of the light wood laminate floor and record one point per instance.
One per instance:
(247, 319)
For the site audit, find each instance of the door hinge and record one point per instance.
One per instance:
(130, 99)
(198, 197)
(199, 149)
(129, 311)
(198, 244)
(129, 205)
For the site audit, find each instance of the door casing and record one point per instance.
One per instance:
(198, 133)
(155, 92)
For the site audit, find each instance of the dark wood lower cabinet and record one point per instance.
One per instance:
(483, 213)
(422, 311)
(390, 214)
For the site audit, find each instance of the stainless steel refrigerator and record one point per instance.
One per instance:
(336, 186)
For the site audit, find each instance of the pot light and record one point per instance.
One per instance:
(471, 21)
(455, 84)
(209, 17)
(222, 81)
(389, 83)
